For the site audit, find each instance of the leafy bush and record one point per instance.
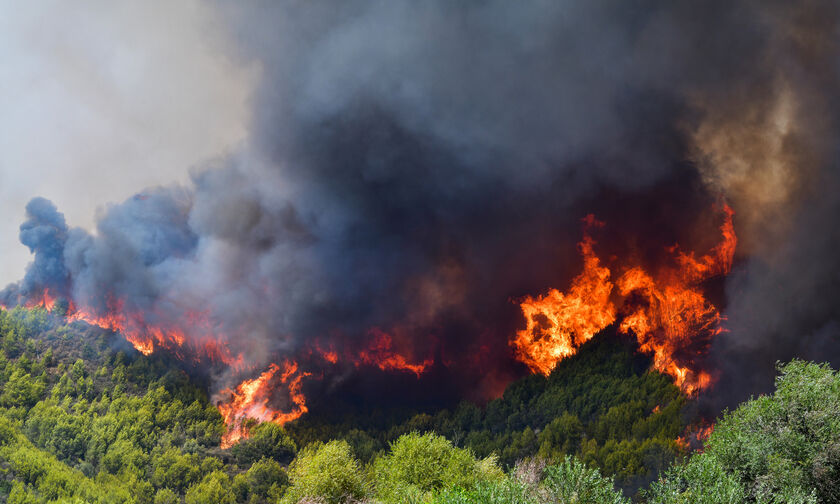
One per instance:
(215, 488)
(572, 482)
(418, 465)
(507, 490)
(328, 472)
(266, 440)
(779, 448)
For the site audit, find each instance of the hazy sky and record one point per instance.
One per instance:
(99, 103)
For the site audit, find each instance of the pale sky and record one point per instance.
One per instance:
(100, 102)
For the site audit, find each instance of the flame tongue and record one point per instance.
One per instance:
(204, 340)
(667, 312)
(675, 317)
(250, 399)
(45, 300)
(557, 323)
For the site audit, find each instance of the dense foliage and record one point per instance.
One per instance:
(783, 448)
(84, 418)
(602, 406)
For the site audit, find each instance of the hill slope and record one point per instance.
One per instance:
(83, 416)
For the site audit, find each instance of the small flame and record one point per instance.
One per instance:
(695, 436)
(380, 354)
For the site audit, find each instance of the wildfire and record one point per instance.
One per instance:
(45, 301)
(666, 311)
(557, 323)
(146, 337)
(251, 397)
(380, 354)
(695, 436)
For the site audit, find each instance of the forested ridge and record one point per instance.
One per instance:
(85, 418)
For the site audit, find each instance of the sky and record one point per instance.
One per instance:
(100, 103)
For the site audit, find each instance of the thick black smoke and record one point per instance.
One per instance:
(417, 167)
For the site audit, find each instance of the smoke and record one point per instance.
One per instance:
(766, 138)
(45, 234)
(101, 100)
(414, 168)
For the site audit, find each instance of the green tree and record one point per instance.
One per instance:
(264, 475)
(561, 437)
(779, 448)
(419, 465)
(215, 488)
(166, 496)
(172, 469)
(266, 440)
(328, 472)
(21, 495)
(571, 482)
(22, 390)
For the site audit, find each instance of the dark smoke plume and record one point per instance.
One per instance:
(415, 168)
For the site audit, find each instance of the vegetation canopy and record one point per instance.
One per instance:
(84, 418)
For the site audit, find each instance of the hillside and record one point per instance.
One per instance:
(602, 405)
(86, 417)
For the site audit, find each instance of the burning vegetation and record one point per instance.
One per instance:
(665, 310)
(250, 400)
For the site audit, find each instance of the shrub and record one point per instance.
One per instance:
(418, 465)
(779, 448)
(215, 488)
(267, 440)
(327, 472)
(571, 482)
(504, 491)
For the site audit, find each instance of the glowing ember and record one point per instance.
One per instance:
(667, 312)
(695, 436)
(250, 399)
(380, 354)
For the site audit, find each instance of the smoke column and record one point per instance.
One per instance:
(413, 169)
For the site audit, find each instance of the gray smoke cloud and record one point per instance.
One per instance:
(101, 100)
(415, 167)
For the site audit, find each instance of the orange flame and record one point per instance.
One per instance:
(695, 436)
(146, 338)
(251, 397)
(380, 354)
(45, 301)
(668, 313)
(557, 324)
